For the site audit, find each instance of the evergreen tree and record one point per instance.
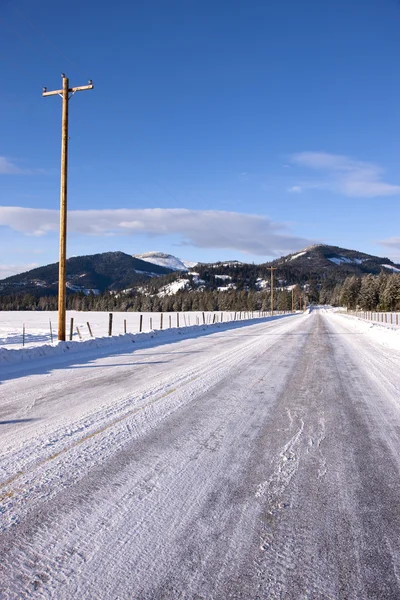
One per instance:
(391, 293)
(350, 291)
(368, 297)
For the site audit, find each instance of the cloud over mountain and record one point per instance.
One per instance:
(200, 228)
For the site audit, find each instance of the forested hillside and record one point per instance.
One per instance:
(118, 281)
(370, 292)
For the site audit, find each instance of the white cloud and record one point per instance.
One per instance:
(296, 189)
(7, 167)
(253, 234)
(8, 270)
(392, 242)
(344, 175)
(393, 245)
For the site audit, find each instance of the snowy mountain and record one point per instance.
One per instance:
(319, 263)
(322, 260)
(100, 272)
(165, 260)
(163, 274)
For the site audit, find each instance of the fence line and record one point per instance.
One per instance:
(86, 324)
(388, 318)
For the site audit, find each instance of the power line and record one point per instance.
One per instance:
(42, 34)
(29, 44)
(74, 64)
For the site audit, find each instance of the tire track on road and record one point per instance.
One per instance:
(158, 494)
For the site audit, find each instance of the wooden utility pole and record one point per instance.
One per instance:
(272, 269)
(62, 276)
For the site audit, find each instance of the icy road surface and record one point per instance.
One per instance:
(255, 463)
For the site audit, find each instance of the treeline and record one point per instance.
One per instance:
(235, 300)
(370, 292)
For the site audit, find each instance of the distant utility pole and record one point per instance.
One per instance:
(62, 277)
(272, 269)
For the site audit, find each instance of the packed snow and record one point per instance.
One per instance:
(392, 268)
(163, 260)
(80, 288)
(297, 255)
(172, 288)
(338, 260)
(244, 459)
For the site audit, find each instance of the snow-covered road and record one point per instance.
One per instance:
(261, 462)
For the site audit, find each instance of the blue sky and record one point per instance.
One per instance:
(216, 129)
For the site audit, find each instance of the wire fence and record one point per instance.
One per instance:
(32, 328)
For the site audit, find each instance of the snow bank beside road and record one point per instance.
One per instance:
(116, 342)
(385, 335)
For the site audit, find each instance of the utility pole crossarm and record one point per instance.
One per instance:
(54, 93)
(80, 88)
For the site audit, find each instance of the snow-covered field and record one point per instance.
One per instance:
(41, 326)
(253, 460)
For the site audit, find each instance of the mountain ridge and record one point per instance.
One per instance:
(115, 271)
(94, 272)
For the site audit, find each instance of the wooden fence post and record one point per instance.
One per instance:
(161, 320)
(90, 329)
(51, 332)
(79, 333)
(124, 325)
(204, 319)
(151, 323)
(71, 329)
(141, 323)
(170, 323)
(177, 320)
(110, 320)
(23, 334)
